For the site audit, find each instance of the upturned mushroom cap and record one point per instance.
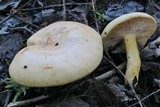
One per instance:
(58, 54)
(139, 24)
(134, 29)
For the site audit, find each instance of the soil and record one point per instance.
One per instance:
(20, 19)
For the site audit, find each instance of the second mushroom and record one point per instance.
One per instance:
(134, 29)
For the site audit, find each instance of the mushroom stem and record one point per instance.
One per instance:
(133, 59)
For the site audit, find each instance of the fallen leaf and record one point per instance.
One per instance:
(6, 3)
(116, 10)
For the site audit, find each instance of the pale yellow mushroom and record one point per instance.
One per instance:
(134, 29)
(58, 54)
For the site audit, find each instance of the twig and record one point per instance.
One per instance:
(95, 17)
(33, 25)
(2, 81)
(85, 19)
(56, 5)
(157, 6)
(146, 97)
(110, 73)
(29, 101)
(7, 18)
(120, 72)
(23, 28)
(14, 12)
(8, 98)
(64, 10)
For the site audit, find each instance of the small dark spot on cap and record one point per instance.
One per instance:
(105, 33)
(25, 67)
(86, 39)
(57, 44)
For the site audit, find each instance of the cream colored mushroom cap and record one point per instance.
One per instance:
(140, 24)
(58, 54)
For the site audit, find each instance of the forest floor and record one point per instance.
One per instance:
(19, 19)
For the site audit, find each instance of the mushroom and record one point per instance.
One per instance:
(56, 55)
(134, 29)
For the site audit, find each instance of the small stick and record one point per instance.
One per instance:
(27, 102)
(133, 105)
(33, 25)
(157, 6)
(51, 6)
(12, 14)
(64, 10)
(119, 71)
(7, 18)
(110, 73)
(85, 19)
(23, 28)
(8, 98)
(95, 17)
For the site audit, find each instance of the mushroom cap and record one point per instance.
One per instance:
(58, 54)
(139, 24)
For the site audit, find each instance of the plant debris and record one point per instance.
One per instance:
(117, 9)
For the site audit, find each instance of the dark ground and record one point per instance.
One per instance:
(21, 18)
